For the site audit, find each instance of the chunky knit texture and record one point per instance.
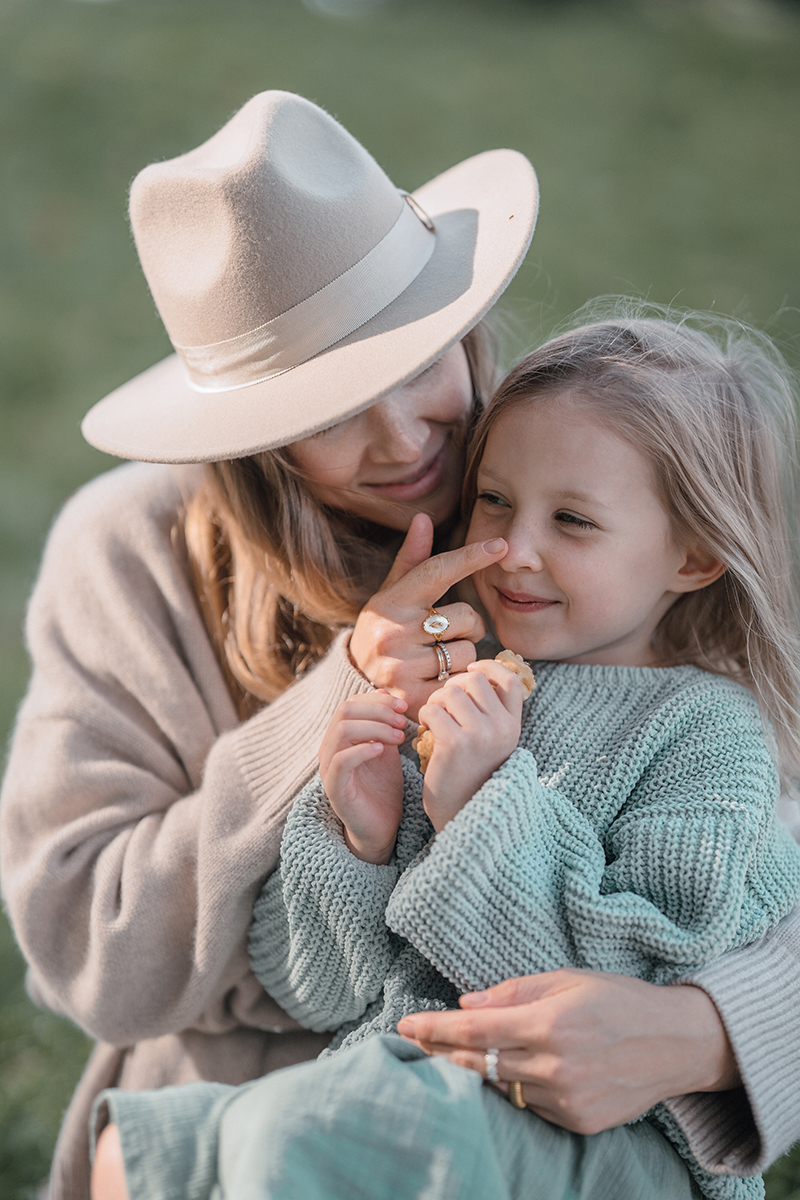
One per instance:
(135, 804)
(632, 830)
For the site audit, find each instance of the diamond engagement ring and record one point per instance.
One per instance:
(445, 663)
(490, 1059)
(435, 624)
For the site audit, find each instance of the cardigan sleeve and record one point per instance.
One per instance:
(138, 818)
(755, 990)
(693, 865)
(319, 942)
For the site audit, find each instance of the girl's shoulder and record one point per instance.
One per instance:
(648, 695)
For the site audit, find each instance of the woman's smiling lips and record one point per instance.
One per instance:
(523, 601)
(422, 482)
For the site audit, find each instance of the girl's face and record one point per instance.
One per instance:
(592, 565)
(399, 457)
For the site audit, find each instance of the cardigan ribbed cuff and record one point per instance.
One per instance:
(297, 724)
(755, 992)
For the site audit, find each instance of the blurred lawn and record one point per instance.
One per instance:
(666, 139)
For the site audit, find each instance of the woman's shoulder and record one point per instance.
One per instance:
(126, 500)
(117, 541)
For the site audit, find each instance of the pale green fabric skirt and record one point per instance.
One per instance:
(380, 1121)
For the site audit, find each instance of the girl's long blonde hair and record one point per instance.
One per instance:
(277, 573)
(714, 410)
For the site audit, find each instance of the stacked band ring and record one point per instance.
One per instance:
(515, 1094)
(445, 664)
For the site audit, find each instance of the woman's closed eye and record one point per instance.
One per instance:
(568, 518)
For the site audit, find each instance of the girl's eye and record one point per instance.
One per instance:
(493, 500)
(567, 518)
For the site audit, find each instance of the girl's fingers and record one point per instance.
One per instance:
(346, 761)
(352, 733)
(458, 705)
(468, 695)
(505, 684)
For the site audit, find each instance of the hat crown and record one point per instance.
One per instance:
(273, 207)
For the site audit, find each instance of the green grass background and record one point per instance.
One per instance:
(666, 139)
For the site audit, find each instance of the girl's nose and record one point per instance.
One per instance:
(525, 550)
(397, 433)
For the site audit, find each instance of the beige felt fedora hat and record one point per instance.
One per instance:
(298, 285)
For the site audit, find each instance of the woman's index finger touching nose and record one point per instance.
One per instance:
(425, 583)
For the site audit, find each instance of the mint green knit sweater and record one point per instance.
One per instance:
(632, 830)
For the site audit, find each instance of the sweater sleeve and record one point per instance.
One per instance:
(139, 820)
(755, 990)
(319, 942)
(692, 866)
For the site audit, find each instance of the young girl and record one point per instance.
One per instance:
(622, 819)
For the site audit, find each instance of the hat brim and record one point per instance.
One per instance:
(484, 211)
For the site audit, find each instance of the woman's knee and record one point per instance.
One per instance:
(108, 1171)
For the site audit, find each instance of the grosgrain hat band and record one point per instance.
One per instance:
(323, 318)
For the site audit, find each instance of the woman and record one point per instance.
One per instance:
(328, 361)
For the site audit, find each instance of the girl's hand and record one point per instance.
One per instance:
(389, 645)
(475, 720)
(359, 765)
(592, 1050)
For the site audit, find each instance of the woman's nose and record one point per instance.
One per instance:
(397, 433)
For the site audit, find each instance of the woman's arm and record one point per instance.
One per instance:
(138, 818)
(594, 1050)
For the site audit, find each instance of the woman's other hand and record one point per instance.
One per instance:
(475, 720)
(389, 645)
(359, 765)
(592, 1050)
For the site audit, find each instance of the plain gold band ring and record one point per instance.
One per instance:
(435, 624)
(445, 663)
(515, 1094)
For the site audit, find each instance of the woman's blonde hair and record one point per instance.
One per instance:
(277, 573)
(711, 404)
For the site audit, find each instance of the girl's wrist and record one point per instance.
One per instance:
(367, 851)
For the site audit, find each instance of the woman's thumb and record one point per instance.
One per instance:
(416, 547)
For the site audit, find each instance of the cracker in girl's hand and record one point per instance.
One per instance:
(423, 742)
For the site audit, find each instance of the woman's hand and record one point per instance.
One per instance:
(359, 765)
(389, 645)
(593, 1050)
(475, 720)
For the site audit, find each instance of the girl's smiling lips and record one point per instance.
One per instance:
(522, 601)
(421, 482)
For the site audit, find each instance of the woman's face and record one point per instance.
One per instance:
(399, 457)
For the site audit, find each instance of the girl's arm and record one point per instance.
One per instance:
(319, 942)
(139, 819)
(692, 865)
(597, 1049)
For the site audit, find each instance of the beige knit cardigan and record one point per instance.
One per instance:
(139, 819)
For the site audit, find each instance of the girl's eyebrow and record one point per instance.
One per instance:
(563, 497)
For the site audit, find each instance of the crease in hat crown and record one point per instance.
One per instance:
(221, 233)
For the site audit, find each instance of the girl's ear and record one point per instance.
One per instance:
(700, 568)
